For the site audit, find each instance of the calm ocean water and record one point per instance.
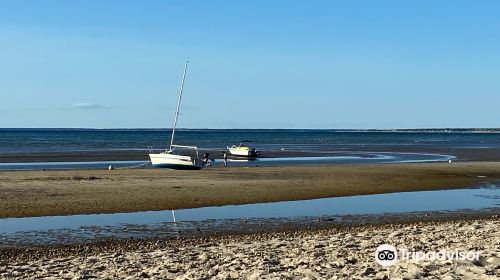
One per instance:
(16, 141)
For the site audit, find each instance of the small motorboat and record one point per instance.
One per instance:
(243, 150)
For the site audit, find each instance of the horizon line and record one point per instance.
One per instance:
(206, 128)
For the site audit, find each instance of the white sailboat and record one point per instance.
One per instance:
(168, 159)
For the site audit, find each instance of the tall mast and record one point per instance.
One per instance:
(178, 103)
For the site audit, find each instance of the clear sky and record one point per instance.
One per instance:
(253, 64)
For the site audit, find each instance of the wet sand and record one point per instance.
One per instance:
(461, 153)
(333, 253)
(41, 193)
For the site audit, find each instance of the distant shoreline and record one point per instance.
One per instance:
(419, 130)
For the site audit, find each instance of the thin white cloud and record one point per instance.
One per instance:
(89, 106)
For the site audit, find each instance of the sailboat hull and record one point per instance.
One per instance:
(165, 160)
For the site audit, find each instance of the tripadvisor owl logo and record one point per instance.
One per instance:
(386, 255)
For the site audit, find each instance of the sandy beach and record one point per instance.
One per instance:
(335, 253)
(41, 193)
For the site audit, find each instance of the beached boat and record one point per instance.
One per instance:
(243, 150)
(169, 159)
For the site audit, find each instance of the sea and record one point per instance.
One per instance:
(27, 141)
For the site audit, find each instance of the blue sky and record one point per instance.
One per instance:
(253, 64)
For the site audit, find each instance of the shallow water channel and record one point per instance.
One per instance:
(86, 228)
(381, 157)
